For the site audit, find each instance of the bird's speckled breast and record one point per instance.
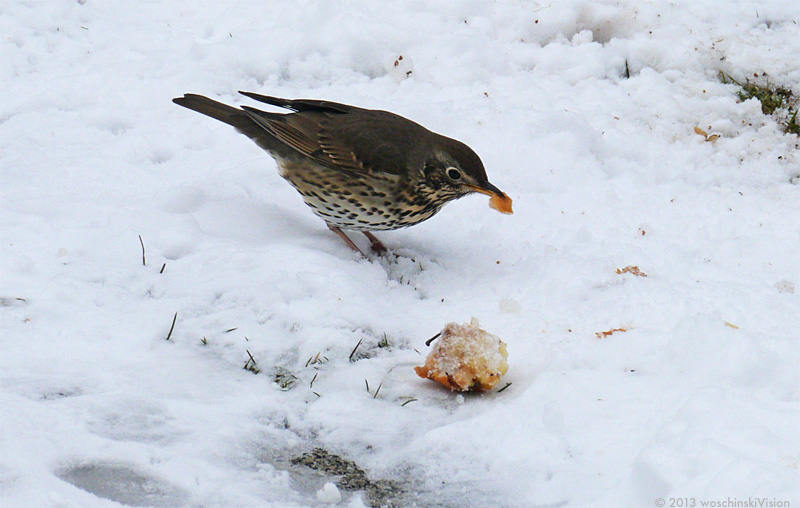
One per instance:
(357, 202)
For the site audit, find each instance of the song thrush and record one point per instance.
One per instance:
(358, 169)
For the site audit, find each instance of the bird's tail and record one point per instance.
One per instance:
(238, 118)
(222, 112)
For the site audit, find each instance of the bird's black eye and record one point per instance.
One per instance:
(453, 173)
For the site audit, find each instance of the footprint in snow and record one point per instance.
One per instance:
(122, 483)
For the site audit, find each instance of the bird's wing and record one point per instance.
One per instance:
(305, 133)
(355, 141)
(372, 141)
(301, 104)
(299, 135)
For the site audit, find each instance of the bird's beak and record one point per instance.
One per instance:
(500, 201)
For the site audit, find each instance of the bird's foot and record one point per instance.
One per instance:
(375, 245)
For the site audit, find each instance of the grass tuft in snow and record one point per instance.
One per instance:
(430, 341)
(356, 349)
(172, 327)
(316, 359)
(384, 342)
(383, 493)
(144, 258)
(368, 345)
(285, 379)
(409, 400)
(251, 364)
(792, 126)
(776, 101)
(503, 388)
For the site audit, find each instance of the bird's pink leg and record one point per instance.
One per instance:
(346, 239)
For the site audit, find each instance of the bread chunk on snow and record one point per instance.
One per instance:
(466, 358)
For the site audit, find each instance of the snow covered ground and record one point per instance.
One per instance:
(697, 401)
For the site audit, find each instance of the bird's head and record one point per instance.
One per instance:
(454, 168)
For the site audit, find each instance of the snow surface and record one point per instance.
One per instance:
(697, 399)
(329, 493)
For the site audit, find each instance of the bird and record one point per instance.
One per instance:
(358, 169)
